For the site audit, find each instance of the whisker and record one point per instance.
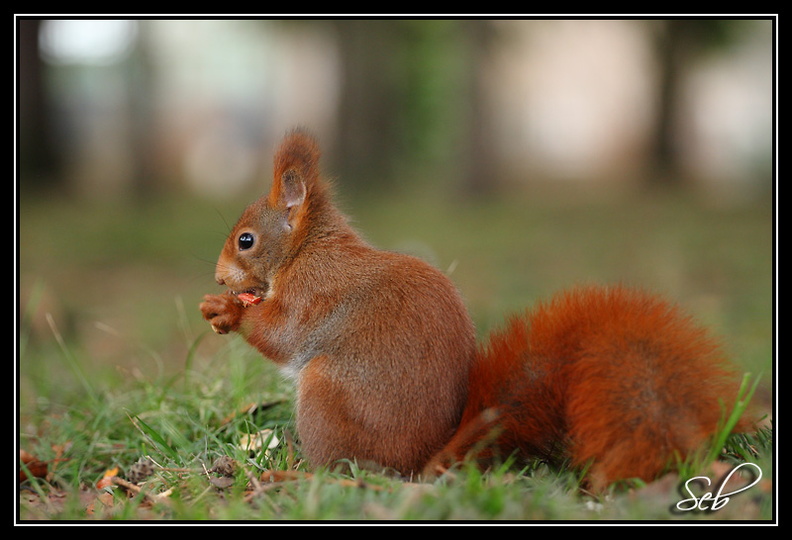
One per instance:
(223, 219)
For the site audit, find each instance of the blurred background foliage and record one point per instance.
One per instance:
(142, 106)
(520, 155)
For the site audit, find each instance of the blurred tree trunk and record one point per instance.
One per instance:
(670, 52)
(414, 103)
(367, 133)
(146, 176)
(678, 44)
(476, 151)
(38, 163)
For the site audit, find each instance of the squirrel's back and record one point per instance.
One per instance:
(614, 378)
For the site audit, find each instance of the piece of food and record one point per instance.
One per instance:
(248, 299)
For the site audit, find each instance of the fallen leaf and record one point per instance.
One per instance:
(221, 482)
(107, 478)
(105, 499)
(37, 468)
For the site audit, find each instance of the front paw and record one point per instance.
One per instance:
(223, 311)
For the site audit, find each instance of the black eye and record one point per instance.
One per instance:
(245, 240)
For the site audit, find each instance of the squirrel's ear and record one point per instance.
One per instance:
(290, 197)
(292, 192)
(295, 174)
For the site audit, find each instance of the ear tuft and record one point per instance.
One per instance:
(296, 169)
(299, 151)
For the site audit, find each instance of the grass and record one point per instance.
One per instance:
(115, 364)
(185, 425)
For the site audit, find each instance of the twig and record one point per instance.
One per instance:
(137, 490)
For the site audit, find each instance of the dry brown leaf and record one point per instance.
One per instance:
(37, 468)
(107, 478)
(221, 482)
(105, 499)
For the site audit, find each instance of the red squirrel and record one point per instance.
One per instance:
(387, 370)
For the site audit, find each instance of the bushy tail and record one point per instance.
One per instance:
(612, 378)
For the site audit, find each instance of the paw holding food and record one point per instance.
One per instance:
(223, 311)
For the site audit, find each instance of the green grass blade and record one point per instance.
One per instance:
(154, 437)
(744, 396)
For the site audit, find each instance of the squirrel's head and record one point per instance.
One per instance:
(271, 230)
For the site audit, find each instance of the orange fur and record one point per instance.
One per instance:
(609, 377)
(383, 351)
(378, 343)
